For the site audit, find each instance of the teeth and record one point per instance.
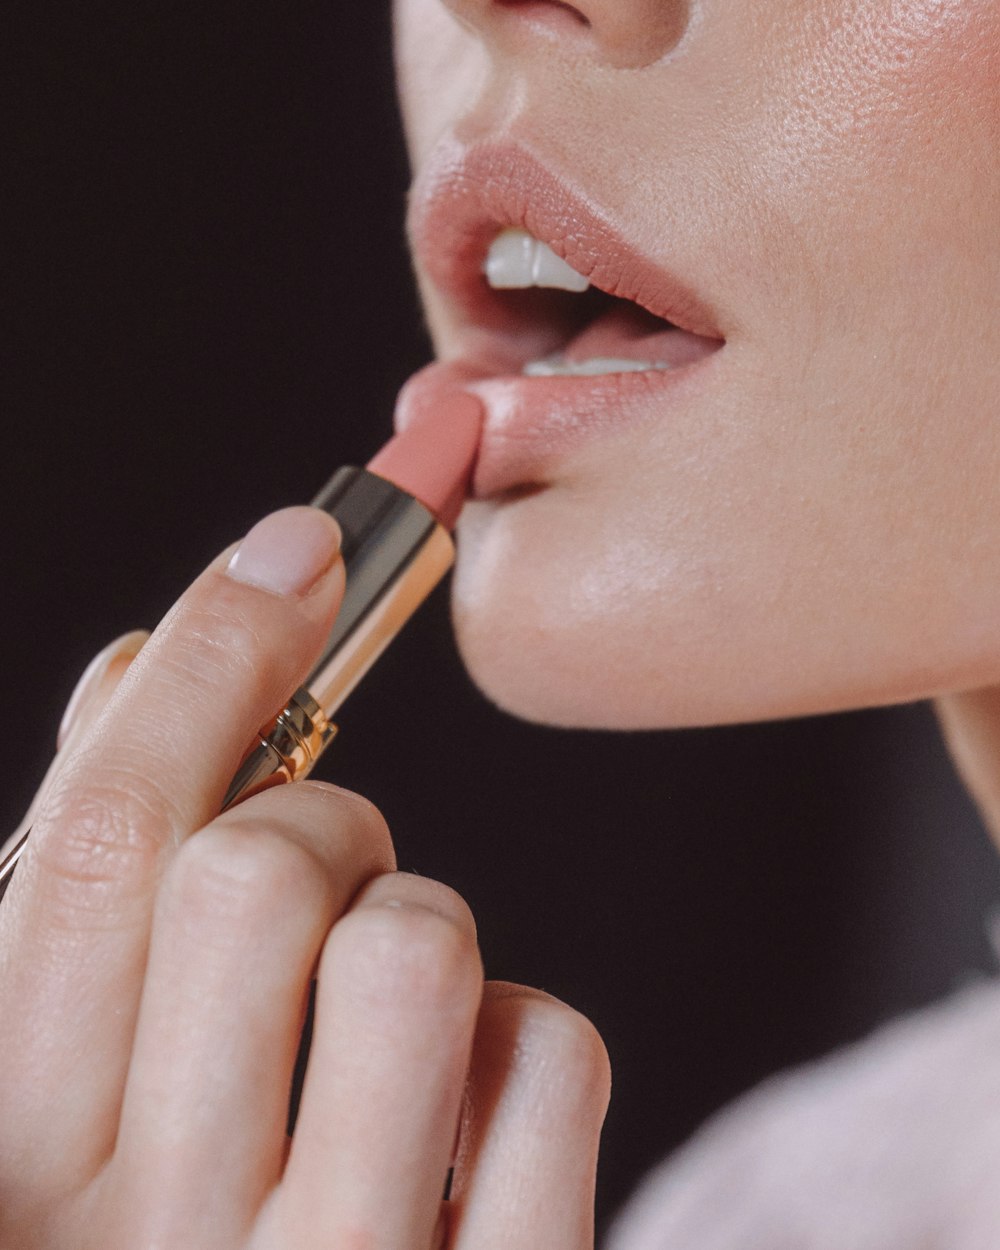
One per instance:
(518, 260)
(558, 366)
(552, 271)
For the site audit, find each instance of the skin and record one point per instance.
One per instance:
(156, 960)
(827, 175)
(816, 528)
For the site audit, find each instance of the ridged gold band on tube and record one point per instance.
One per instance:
(286, 751)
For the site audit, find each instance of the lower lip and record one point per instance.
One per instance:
(533, 424)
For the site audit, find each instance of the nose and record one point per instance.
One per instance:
(627, 34)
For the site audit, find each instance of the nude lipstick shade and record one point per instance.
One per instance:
(395, 516)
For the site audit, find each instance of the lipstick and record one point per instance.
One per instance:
(395, 516)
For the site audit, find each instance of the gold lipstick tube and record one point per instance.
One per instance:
(395, 552)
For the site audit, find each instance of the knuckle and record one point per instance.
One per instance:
(553, 1036)
(237, 878)
(100, 838)
(582, 1049)
(215, 643)
(348, 826)
(354, 817)
(404, 953)
(407, 888)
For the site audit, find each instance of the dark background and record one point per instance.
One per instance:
(207, 308)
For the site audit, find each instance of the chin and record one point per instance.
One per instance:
(583, 675)
(536, 637)
(558, 625)
(536, 674)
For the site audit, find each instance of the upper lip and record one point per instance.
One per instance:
(467, 193)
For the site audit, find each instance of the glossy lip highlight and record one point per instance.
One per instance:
(463, 197)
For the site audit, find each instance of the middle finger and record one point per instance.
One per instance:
(239, 922)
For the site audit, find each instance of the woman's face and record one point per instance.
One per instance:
(805, 515)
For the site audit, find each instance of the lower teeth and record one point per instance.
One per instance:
(558, 366)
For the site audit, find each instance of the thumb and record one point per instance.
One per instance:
(970, 722)
(97, 684)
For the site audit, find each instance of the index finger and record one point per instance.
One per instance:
(152, 770)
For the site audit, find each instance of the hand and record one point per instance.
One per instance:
(155, 959)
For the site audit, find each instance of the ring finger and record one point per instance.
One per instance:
(400, 983)
(538, 1092)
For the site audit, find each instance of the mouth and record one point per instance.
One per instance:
(591, 331)
(542, 303)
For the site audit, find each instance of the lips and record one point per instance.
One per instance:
(627, 332)
(462, 199)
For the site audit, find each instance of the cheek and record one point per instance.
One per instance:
(883, 73)
(868, 106)
(929, 55)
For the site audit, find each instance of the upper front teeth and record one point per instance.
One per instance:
(558, 366)
(517, 260)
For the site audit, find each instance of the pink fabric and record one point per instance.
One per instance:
(893, 1144)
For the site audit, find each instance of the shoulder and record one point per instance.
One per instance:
(891, 1144)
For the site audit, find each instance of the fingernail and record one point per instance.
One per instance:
(125, 648)
(288, 552)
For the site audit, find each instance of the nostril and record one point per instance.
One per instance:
(547, 9)
(625, 34)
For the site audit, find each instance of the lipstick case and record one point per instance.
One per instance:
(395, 552)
